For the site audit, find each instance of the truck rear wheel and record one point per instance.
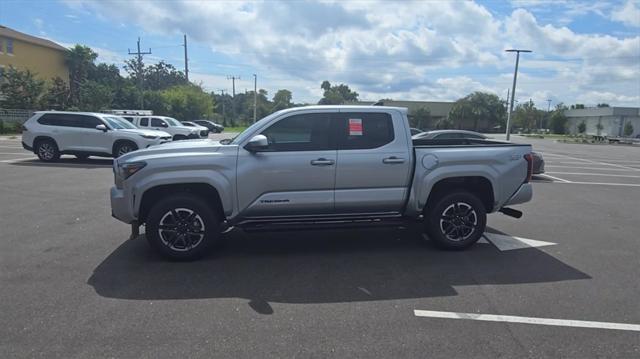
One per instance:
(182, 227)
(455, 221)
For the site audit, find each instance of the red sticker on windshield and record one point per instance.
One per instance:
(355, 127)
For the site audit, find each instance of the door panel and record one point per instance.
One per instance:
(373, 163)
(295, 175)
(94, 140)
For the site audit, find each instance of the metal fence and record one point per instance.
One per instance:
(15, 115)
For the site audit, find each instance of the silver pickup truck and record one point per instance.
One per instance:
(317, 167)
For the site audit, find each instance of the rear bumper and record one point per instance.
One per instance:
(27, 147)
(523, 194)
(121, 209)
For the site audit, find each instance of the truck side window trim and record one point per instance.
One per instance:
(144, 121)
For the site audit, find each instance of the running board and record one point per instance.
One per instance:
(317, 223)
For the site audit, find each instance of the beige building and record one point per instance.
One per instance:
(25, 52)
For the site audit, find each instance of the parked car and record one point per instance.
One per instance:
(50, 134)
(212, 126)
(203, 131)
(415, 131)
(167, 124)
(318, 167)
(449, 134)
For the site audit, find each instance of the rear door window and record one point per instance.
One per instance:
(364, 130)
(57, 119)
(144, 121)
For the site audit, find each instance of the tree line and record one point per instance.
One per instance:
(165, 90)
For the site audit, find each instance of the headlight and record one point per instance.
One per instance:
(129, 169)
(149, 137)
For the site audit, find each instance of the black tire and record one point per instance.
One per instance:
(182, 240)
(455, 221)
(179, 137)
(123, 147)
(82, 157)
(47, 150)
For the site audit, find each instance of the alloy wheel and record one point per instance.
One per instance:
(458, 221)
(181, 229)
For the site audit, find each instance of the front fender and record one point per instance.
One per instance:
(215, 179)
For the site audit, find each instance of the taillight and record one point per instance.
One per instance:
(529, 158)
(23, 128)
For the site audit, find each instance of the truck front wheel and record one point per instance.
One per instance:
(182, 227)
(456, 220)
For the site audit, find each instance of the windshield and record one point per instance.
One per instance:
(172, 121)
(119, 123)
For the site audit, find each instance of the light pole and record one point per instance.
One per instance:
(255, 96)
(548, 110)
(513, 90)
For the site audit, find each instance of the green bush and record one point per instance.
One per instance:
(10, 127)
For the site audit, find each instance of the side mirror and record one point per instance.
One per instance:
(101, 127)
(164, 124)
(257, 143)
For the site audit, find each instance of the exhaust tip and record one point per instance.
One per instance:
(511, 212)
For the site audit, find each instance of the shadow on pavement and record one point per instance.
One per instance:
(320, 267)
(68, 162)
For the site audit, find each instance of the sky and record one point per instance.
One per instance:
(583, 51)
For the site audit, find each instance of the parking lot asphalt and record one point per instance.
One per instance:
(73, 286)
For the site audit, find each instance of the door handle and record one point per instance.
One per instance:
(322, 162)
(392, 160)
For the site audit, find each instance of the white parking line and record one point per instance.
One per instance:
(508, 243)
(17, 159)
(600, 183)
(527, 320)
(601, 163)
(589, 168)
(554, 178)
(594, 174)
(12, 153)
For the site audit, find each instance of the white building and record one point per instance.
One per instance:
(612, 120)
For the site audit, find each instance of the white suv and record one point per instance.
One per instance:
(166, 124)
(50, 134)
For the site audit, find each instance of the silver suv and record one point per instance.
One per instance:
(50, 134)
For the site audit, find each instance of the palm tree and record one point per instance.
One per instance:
(79, 59)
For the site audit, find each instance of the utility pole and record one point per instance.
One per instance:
(186, 59)
(233, 84)
(548, 110)
(139, 71)
(513, 90)
(255, 96)
(233, 97)
(224, 118)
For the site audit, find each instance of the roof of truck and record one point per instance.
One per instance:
(354, 108)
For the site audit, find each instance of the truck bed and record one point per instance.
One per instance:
(423, 142)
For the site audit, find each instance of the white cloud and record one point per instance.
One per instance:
(416, 50)
(628, 14)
